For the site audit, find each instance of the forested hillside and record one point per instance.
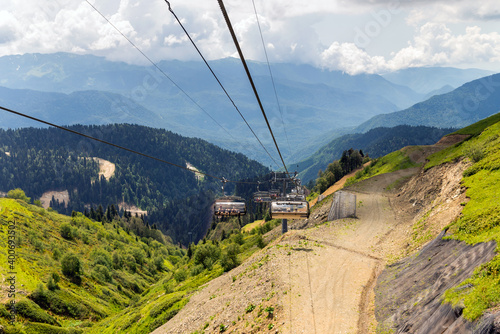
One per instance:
(76, 275)
(375, 143)
(40, 160)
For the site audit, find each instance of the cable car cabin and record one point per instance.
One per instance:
(262, 196)
(289, 209)
(230, 206)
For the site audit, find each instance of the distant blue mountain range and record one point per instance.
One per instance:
(314, 105)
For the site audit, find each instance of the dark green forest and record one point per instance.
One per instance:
(39, 160)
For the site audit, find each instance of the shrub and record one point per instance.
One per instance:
(101, 257)
(206, 254)
(3, 312)
(158, 262)
(101, 273)
(139, 255)
(260, 242)
(51, 285)
(66, 231)
(72, 267)
(117, 260)
(55, 277)
(238, 238)
(230, 257)
(18, 194)
(56, 254)
(85, 238)
(196, 270)
(180, 275)
(37, 244)
(474, 152)
(250, 308)
(270, 311)
(33, 312)
(130, 263)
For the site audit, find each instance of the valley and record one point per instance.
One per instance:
(69, 89)
(148, 254)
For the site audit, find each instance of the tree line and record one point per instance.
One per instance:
(350, 160)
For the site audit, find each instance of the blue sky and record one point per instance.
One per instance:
(355, 36)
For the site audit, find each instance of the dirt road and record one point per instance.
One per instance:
(58, 195)
(319, 280)
(333, 267)
(106, 168)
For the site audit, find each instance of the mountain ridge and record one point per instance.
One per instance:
(303, 91)
(375, 143)
(463, 106)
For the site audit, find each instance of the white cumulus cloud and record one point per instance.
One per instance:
(434, 45)
(294, 31)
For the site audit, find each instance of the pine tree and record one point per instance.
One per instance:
(100, 213)
(93, 214)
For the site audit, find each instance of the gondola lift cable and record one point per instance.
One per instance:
(242, 58)
(218, 81)
(121, 147)
(271, 74)
(165, 74)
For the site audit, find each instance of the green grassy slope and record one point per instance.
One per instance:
(115, 266)
(387, 164)
(123, 283)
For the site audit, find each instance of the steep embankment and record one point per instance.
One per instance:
(460, 267)
(375, 143)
